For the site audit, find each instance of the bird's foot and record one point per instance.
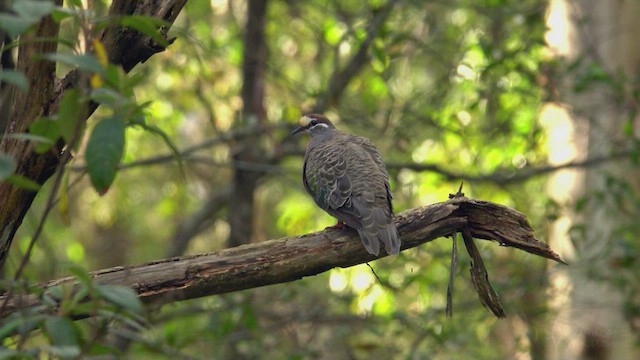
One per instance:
(340, 225)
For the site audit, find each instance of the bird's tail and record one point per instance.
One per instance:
(387, 235)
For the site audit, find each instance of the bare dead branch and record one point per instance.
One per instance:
(292, 258)
(480, 277)
(452, 270)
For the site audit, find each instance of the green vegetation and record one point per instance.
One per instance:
(453, 88)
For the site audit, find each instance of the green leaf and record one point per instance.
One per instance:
(80, 293)
(20, 323)
(61, 331)
(16, 78)
(23, 182)
(45, 128)
(165, 137)
(115, 76)
(69, 113)
(27, 13)
(104, 152)
(108, 97)
(29, 137)
(81, 274)
(97, 348)
(56, 292)
(86, 62)
(9, 327)
(122, 296)
(7, 166)
(33, 10)
(14, 25)
(147, 25)
(61, 13)
(63, 351)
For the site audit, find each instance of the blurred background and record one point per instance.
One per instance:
(532, 103)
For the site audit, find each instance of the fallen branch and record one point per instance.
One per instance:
(292, 258)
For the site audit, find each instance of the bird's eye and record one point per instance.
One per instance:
(313, 122)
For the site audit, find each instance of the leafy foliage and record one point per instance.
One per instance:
(26, 13)
(66, 338)
(456, 85)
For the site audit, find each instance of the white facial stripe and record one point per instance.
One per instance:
(318, 125)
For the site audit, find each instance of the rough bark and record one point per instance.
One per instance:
(6, 62)
(292, 258)
(125, 46)
(25, 109)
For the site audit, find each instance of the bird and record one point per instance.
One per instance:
(345, 175)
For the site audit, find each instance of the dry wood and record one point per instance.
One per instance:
(292, 258)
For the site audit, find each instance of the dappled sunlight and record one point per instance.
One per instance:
(367, 299)
(297, 214)
(449, 93)
(75, 253)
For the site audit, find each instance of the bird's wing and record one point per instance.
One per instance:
(373, 152)
(327, 180)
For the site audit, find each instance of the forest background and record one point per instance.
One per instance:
(533, 104)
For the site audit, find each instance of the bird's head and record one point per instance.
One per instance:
(313, 124)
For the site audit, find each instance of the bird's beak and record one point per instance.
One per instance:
(297, 130)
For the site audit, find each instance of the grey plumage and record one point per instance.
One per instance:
(347, 178)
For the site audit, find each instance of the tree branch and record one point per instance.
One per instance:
(504, 177)
(292, 258)
(501, 177)
(342, 77)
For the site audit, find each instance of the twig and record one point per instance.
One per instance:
(66, 155)
(375, 275)
(480, 277)
(452, 270)
(501, 177)
(504, 177)
(57, 181)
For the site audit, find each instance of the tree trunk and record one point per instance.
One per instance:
(26, 108)
(245, 180)
(125, 46)
(600, 37)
